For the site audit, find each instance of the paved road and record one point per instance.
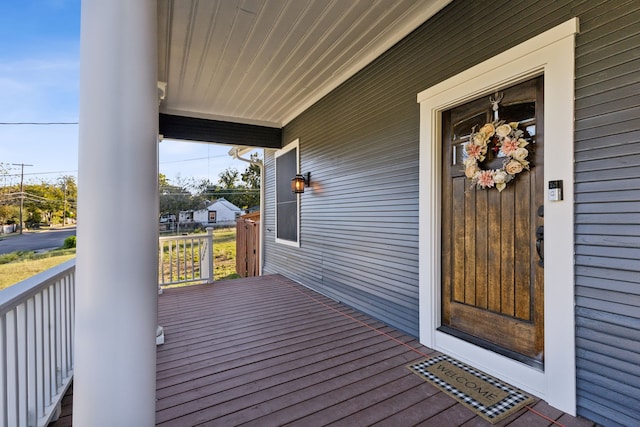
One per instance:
(35, 240)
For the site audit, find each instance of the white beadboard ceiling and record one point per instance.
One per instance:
(266, 61)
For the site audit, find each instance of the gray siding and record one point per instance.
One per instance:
(607, 154)
(359, 224)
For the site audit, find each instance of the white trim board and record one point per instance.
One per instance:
(293, 145)
(551, 53)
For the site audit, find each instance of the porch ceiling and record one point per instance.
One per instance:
(265, 61)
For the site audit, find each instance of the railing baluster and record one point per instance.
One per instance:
(184, 258)
(161, 264)
(186, 264)
(46, 350)
(39, 352)
(21, 355)
(4, 395)
(12, 369)
(66, 330)
(160, 261)
(52, 340)
(209, 254)
(70, 324)
(63, 331)
(58, 354)
(193, 265)
(178, 260)
(170, 262)
(30, 365)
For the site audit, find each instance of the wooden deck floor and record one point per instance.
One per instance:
(268, 352)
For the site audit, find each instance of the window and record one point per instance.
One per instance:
(212, 216)
(287, 202)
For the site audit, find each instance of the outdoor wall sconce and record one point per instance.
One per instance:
(299, 182)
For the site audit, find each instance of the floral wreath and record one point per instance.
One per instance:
(504, 139)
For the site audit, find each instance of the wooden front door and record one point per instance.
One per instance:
(492, 267)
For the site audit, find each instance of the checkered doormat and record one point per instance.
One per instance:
(489, 397)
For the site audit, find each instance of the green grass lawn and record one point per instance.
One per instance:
(224, 258)
(224, 252)
(18, 266)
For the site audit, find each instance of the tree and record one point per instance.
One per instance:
(41, 201)
(176, 198)
(251, 175)
(241, 189)
(251, 180)
(49, 202)
(69, 189)
(8, 213)
(228, 178)
(162, 180)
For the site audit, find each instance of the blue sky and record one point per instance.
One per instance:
(39, 71)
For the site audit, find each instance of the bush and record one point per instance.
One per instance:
(11, 257)
(69, 242)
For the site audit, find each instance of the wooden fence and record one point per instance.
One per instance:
(248, 245)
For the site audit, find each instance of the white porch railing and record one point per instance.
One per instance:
(37, 329)
(186, 259)
(36, 346)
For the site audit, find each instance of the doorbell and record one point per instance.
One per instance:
(555, 191)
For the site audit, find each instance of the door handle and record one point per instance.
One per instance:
(540, 245)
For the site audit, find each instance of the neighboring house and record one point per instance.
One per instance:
(538, 284)
(220, 213)
(186, 216)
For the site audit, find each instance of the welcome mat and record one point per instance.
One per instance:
(489, 397)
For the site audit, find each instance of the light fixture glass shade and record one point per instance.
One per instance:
(297, 184)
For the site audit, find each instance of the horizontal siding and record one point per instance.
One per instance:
(359, 223)
(607, 196)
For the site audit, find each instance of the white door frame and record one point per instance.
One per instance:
(550, 54)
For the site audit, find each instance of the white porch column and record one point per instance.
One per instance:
(117, 277)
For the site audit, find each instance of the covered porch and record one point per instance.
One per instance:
(266, 351)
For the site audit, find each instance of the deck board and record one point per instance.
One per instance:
(266, 351)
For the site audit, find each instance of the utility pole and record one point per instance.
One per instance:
(64, 211)
(22, 165)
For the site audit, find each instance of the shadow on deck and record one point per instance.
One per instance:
(266, 351)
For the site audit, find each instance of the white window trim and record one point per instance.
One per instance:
(291, 146)
(552, 54)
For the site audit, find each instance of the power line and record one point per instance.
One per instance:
(215, 193)
(33, 199)
(191, 160)
(37, 123)
(38, 173)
